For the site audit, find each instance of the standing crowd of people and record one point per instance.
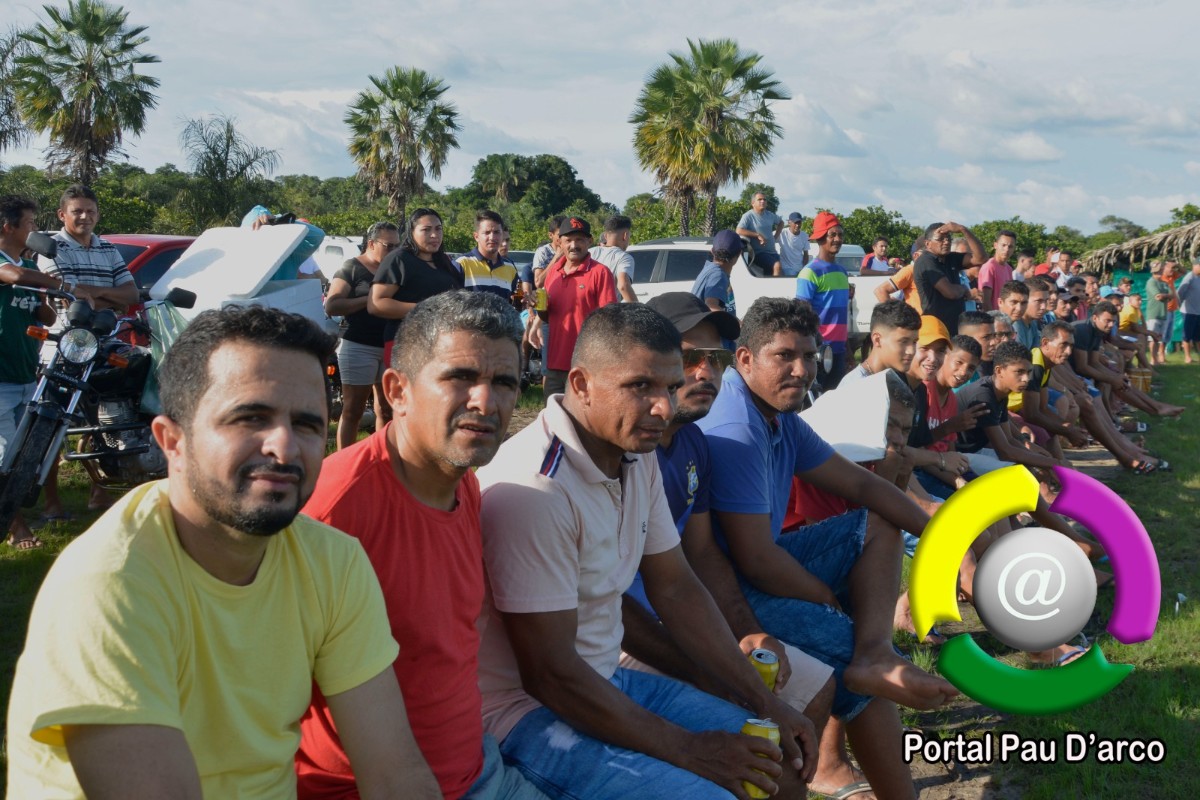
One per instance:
(440, 610)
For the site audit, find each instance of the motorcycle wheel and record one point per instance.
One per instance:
(20, 485)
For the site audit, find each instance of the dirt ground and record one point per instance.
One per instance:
(936, 781)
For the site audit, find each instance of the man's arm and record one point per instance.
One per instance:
(751, 234)
(1035, 407)
(625, 288)
(1007, 451)
(715, 572)
(373, 726)
(113, 761)
(1086, 366)
(695, 623)
(862, 487)
(950, 291)
(554, 674)
(883, 290)
(767, 566)
(114, 296)
(978, 255)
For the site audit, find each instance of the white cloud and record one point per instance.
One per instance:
(972, 141)
(1192, 168)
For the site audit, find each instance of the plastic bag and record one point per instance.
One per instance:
(166, 323)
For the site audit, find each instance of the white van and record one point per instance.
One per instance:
(671, 265)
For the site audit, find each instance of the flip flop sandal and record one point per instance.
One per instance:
(847, 791)
(1164, 466)
(1069, 656)
(1143, 468)
(32, 543)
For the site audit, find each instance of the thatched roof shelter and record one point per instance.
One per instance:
(1182, 243)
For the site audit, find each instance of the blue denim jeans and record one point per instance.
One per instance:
(499, 781)
(829, 550)
(567, 764)
(13, 399)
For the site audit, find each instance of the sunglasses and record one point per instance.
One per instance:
(387, 246)
(718, 358)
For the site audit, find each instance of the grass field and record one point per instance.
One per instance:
(1161, 699)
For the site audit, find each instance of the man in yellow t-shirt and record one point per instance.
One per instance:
(1133, 327)
(173, 648)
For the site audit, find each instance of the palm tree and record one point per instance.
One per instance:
(226, 166)
(79, 83)
(13, 132)
(497, 173)
(401, 130)
(704, 119)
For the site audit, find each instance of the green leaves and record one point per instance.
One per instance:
(78, 82)
(401, 130)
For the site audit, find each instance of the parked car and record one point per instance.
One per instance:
(147, 255)
(671, 265)
(335, 251)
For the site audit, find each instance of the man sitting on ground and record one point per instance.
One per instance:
(573, 506)
(174, 647)
(409, 495)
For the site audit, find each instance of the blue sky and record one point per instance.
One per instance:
(1060, 112)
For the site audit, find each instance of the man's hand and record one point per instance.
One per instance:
(1076, 437)
(967, 419)
(763, 641)
(728, 759)
(761, 239)
(797, 738)
(955, 462)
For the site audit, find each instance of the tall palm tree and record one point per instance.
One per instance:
(13, 132)
(704, 119)
(79, 83)
(400, 131)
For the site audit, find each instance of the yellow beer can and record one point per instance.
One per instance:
(766, 663)
(767, 730)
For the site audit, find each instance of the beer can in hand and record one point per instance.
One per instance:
(767, 730)
(767, 665)
(540, 305)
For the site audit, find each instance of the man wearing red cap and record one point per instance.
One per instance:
(576, 285)
(826, 287)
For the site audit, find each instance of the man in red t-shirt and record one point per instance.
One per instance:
(576, 285)
(408, 494)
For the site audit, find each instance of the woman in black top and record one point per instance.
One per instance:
(415, 271)
(360, 352)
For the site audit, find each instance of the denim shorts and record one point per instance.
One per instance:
(829, 550)
(499, 781)
(565, 763)
(13, 399)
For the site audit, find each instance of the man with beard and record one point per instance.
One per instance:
(576, 285)
(174, 647)
(573, 507)
(409, 495)
(936, 273)
(825, 285)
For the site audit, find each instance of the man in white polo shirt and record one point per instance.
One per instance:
(573, 506)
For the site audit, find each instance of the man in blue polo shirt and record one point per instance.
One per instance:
(798, 584)
(484, 269)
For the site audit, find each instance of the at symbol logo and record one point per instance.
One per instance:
(1045, 580)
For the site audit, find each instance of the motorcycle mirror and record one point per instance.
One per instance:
(42, 244)
(181, 298)
(103, 321)
(79, 314)
(827, 358)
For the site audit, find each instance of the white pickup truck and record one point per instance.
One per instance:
(671, 265)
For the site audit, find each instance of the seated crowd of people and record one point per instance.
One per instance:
(441, 611)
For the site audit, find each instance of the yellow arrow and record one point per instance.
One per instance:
(933, 584)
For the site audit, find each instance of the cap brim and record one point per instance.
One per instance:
(727, 324)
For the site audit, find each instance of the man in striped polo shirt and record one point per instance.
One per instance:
(91, 269)
(826, 287)
(484, 269)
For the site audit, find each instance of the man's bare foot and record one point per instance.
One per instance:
(1058, 656)
(887, 675)
(100, 499)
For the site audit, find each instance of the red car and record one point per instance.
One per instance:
(147, 255)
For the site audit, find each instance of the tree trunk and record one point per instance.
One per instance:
(685, 215)
(710, 216)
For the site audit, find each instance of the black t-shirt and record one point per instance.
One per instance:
(928, 270)
(362, 327)
(919, 435)
(418, 280)
(1087, 337)
(981, 391)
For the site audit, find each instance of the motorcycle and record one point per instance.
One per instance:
(91, 389)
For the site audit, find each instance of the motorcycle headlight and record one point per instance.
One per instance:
(827, 358)
(78, 346)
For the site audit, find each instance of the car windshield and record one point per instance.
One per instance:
(129, 251)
